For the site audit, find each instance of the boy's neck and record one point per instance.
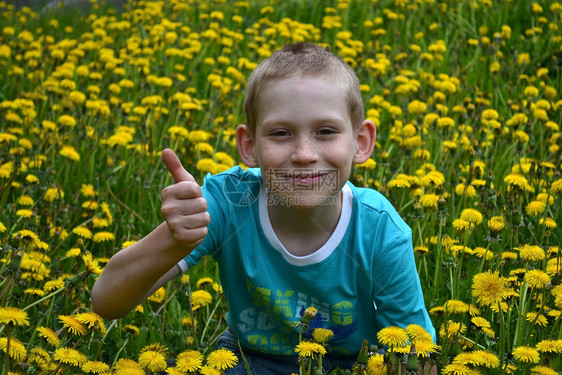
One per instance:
(302, 231)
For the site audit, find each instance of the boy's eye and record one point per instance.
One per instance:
(326, 131)
(279, 133)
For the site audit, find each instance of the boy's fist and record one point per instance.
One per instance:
(183, 206)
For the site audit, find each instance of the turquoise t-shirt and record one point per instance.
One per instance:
(362, 279)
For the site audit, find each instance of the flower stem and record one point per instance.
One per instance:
(44, 298)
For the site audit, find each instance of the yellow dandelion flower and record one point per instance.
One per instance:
(535, 208)
(188, 321)
(189, 361)
(543, 370)
(417, 107)
(401, 182)
(556, 187)
(103, 237)
(430, 201)
(25, 200)
(204, 282)
(224, 158)
(24, 213)
(16, 350)
(90, 205)
(95, 367)
(486, 359)
(73, 325)
(496, 223)
(376, 365)
(158, 295)
(461, 225)
(222, 359)
(208, 370)
(83, 232)
(309, 349)
(41, 358)
(197, 136)
(70, 153)
(455, 307)
(69, 356)
(393, 336)
(13, 316)
(206, 165)
(178, 132)
(456, 369)
(484, 325)
(471, 215)
(52, 194)
(152, 361)
(550, 346)
(204, 147)
(53, 285)
(490, 114)
(531, 253)
(126, 366)
(548, 222)
(91, 320)
(417, 333)
(131, 329)
(87, 190)
(537, 279)
(49, 335)
(425, 348)
(468, 190)
(526, 354)
(127, 244)
(488, 288)
(67, 120)
(451, 329)
(34, 292)
(518, 182)
(369, 164)
(201, 298)
(535, 318)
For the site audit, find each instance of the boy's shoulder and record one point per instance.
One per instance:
(237, 184)
(372, 205)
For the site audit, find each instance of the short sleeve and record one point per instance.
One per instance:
(397, 292)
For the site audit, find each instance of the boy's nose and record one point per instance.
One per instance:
(304, 152)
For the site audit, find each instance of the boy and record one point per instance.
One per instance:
(290, 231)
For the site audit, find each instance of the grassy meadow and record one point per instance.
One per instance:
(466, 98)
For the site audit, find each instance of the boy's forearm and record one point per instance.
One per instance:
(130, 274)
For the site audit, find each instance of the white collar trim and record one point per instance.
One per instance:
(326, 249)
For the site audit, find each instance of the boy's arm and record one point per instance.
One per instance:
(134, 272)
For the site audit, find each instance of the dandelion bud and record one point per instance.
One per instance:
(322, 335)
(412, 363)
(363, 356)
(308, 315)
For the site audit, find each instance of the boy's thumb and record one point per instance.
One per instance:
(175, 167)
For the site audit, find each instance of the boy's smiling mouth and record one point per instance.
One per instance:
(289, 179)
(306, 177)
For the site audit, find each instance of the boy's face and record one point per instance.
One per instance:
(304, 141)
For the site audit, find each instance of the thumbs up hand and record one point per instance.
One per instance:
(183, 206)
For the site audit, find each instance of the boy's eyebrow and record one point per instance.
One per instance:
(320, 121)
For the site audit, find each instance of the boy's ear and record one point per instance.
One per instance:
(245, 145)
(365, 139)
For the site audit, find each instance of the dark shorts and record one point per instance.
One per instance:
(261, 364)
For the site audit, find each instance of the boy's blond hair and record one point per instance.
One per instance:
(305, 60)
